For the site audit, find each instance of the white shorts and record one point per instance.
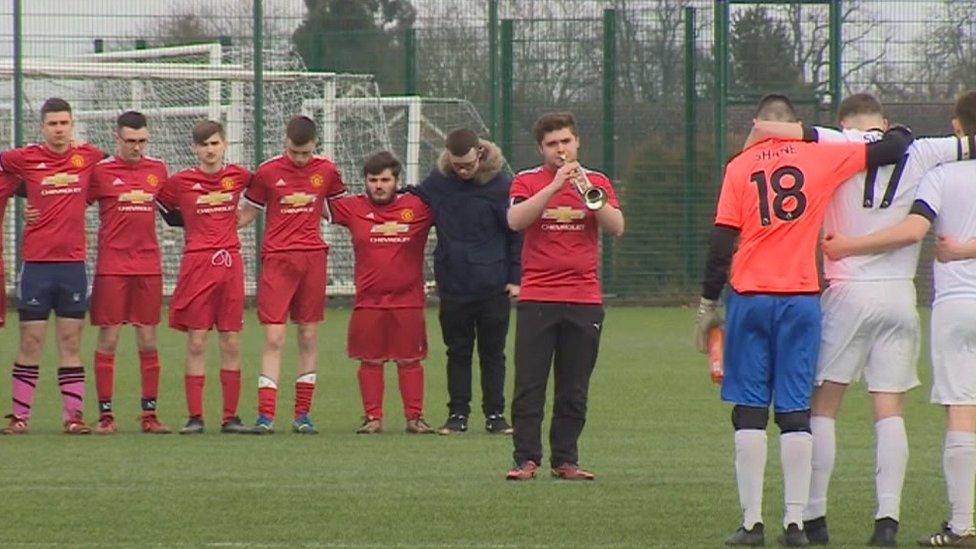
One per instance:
(870, 328)
(954, 352)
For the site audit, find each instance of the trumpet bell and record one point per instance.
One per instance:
(595, 198)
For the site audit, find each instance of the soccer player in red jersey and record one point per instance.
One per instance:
(291, 188)
(128, 286)
(8, 186)
(389, 231)
(773, 199)
(56, 175)
(560, 311)
(210, 289)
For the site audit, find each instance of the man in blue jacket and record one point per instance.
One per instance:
(477, 269)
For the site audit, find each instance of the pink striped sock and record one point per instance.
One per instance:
(24, 385)
(72, 382)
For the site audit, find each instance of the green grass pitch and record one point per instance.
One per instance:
(657, 436)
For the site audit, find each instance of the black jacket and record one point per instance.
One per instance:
(476, 254)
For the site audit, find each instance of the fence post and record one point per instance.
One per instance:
(608, 127)
(258, 47)
(690, 246)
(836, 20)
(18, 99)
(410, 61)
(493, 68)
(721, 52)
(508, 76)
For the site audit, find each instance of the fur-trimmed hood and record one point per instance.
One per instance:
(491, 164)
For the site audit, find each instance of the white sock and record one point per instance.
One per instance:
(750, 469)
(891, 460)
(959, 465)
(265, 381)
(795, 454)
(824, 454)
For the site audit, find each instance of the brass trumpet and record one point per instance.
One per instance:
(594, 198)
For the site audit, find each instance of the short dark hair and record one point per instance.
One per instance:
(301, 130)
(383, 160)
(203, 130)
(859, 103)
(131, 119)
(965, 111)
(551, 122)
(460, 142)
(776, 107)
(55, 104)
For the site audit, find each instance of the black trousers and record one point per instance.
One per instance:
(570, 334)
(462, 325)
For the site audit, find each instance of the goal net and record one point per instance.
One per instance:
(180, 86)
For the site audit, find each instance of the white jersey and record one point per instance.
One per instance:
(880, 198)
(949, 191)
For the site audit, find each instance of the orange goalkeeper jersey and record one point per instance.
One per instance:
(775, 193)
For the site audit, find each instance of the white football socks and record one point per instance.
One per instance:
(750, 469)
(959, 465)
(795, 451)
(891, 460)
(824, 455)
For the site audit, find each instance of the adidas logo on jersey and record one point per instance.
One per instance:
(197, 187)
(117, 182)
(41, 166)
(280, 183)
(370, 215)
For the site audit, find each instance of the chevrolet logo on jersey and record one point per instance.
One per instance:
(297, 199)
(60, 179)
(390, 228)
(563, 214)
(136, 197)
(214, 198)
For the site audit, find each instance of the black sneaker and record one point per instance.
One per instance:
(946, 537)
(885, 531)
(455, 424)
(753, 538)
(234, 426)
(496, 425)
(816, 530)
(793, 537)
(194, 426)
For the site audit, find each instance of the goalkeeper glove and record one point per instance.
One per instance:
(709, 316)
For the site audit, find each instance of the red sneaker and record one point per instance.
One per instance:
(17, 426)
(76, 426)
(523, 471)
(106, 425)
(569, 471)
(152, 425)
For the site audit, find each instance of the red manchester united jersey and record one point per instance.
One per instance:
(125, 192)
(388, 242)
(293, 197)
(560, 249)
(776, 194)
(8, 186)
(57, 186)
(208, 204)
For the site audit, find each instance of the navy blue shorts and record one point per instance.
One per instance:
(61, 286)
(771, 348)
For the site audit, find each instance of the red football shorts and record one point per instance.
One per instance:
(126, 299)
(209, 292)
(292, 283)
(380, 335)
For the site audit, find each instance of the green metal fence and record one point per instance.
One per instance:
(663, 89)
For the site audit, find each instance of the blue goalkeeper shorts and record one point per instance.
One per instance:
(771, 348)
